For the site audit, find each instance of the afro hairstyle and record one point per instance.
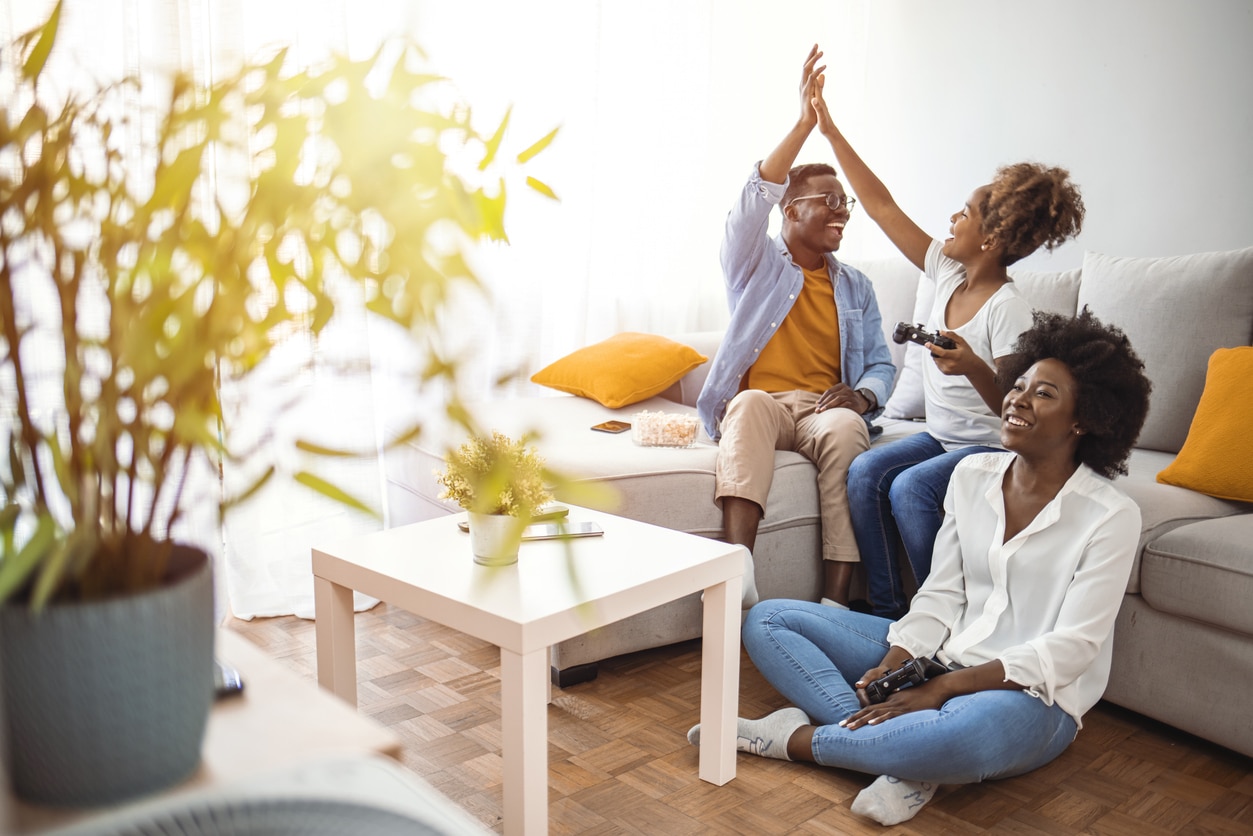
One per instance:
(1112, 400)
(1028, 205)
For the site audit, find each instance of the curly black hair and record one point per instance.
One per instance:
(1028, 205)
(1112, 400)
(799, 176)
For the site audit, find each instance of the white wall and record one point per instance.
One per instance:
(665, 104)
(1149, 103)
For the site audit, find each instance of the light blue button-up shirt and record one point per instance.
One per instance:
(762, 285)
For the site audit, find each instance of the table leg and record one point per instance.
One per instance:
(720, 681)
(336, 637)
(524, 740)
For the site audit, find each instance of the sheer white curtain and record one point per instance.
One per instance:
(662, 109)
(633, 242)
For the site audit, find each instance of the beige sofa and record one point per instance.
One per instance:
(1185, 633)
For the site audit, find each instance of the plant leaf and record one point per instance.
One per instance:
(329, 452)
(47, 36)
(330, 491)
(542, 188)
(251, 490)
(539, 146)
(493, 143)
(51, 573)
(16, 569)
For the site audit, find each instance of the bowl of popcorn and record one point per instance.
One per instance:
(664, 429)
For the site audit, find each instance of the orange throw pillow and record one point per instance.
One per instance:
(1217, 456)
(622, 370)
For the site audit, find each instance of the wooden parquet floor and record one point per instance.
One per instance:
(619, 761)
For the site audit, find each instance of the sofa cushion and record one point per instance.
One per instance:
(1055, 292)
(907, 400)
(1176, 312)
(1164, 507)
(1217, 457)
(667, 486)
(622, 370)
(1203, 571)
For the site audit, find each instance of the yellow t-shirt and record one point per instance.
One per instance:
(804, 352)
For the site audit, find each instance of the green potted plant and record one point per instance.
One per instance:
(154, 276)
(501, 483)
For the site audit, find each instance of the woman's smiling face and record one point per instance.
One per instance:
(1039, 410)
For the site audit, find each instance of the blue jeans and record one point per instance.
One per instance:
(812, 654)
(896, 495)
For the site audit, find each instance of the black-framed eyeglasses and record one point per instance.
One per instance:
(834, 201)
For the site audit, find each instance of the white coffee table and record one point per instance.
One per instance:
(427, 569)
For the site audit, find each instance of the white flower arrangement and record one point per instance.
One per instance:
(495, 475)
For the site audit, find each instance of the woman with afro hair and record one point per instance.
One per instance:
(1016, 619)
(896, 490)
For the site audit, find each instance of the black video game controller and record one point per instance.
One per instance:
(913, 672)
(918, 334)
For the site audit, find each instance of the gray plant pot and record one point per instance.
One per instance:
(109, 700)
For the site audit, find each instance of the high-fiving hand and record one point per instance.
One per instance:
(811, 85)
(816, 103)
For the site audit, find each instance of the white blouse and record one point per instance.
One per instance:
(1044, 602)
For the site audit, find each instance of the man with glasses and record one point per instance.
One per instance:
(804, 364)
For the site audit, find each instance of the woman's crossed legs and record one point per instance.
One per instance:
(813, 654)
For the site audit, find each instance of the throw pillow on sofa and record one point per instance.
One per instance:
(1216, 456)
(622, 370)
(1176, 311)
(907, 399)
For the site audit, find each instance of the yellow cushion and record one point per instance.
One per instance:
(1217, 457)
(622, 370)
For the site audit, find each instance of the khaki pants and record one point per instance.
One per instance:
(758, 423)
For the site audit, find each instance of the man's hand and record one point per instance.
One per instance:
(842, 395)
(774, 168)
(811, 85)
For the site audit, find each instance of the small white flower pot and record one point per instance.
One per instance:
(495, 538)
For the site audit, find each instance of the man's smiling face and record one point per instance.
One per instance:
(812, 222)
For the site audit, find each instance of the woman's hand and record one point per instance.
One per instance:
(915, 698)
(893, 659)
(868, 677)
(959, 360)
(811, 85)
(818, 104)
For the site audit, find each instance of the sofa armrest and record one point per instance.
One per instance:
(687, 389)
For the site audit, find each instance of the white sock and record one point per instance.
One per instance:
(750, 582)
(766, 737)
(830, 602)
(891, 801)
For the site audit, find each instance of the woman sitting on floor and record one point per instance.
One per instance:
(1030, 567)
